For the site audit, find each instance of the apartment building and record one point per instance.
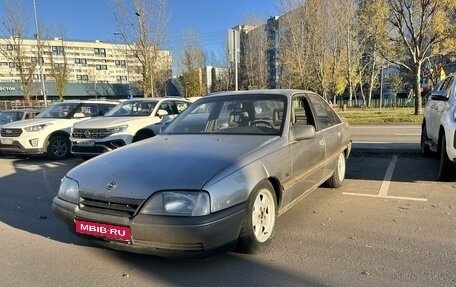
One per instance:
(89, 63)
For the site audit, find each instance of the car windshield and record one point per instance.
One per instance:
(243, 114)
(132, 108)
(58, 111)
(8, 117)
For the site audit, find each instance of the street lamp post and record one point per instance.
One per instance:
(43, 88)
(126, 61)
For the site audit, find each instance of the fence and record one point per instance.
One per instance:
(399, 102)
(21, 104)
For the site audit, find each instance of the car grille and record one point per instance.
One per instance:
(13, 133)
(90, 133)
(124, 207)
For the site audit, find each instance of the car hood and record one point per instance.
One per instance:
(30, 122)
(106, 122)
(171, 162)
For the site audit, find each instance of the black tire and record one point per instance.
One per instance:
(447, 169)
(142, 136)
(86, 157)
(338, 176)
(425, 150)
(58, 148)
(258, 226)
(22, 156)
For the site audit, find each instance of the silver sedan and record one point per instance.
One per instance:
(216, 178)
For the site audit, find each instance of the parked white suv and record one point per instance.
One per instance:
(130, 121)
(439, 125)
(48, 133)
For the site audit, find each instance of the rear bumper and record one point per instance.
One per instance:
(164, 235)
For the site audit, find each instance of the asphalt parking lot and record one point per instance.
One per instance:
(390, 224)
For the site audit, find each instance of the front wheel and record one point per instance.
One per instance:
(425, 150)
(338, 175)
(258, 226)
(447, 169)
(58, 147)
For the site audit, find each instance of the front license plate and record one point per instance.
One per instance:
(103, 230)
(86, 143)
(6, 141)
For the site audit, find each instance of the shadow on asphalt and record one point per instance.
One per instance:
(371, 161)
(26, 197)
(230, 269)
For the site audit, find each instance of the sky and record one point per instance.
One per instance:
(93, 20)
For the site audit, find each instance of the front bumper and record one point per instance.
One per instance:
(164, 235)
(99, 146)
(17, 148)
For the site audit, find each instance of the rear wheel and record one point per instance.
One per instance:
(58, 147)
(258, 226)
(447, 169)
(338, 176)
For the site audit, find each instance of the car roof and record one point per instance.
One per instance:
(156, 99)
(103, 101)
(285, 92)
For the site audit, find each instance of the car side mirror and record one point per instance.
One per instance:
(439, 96)
(79, 115)
(302, 132)
(161, 113)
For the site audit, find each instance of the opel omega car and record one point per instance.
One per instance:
(214, 180)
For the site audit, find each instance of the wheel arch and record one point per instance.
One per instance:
(56, 133)
(278, 189)
(441, 134)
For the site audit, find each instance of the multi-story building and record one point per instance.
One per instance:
(89, 64)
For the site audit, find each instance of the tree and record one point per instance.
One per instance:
(253, 63)
(13, 29)
(143, 24)
(371, 38)
(60, 68)
(312, 48)
(192, 62)
(419, 30)
(294, 47)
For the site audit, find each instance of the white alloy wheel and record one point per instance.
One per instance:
(263, 215)
(338, 176)
(341, 167)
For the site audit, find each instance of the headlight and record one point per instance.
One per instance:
(178, 203)
(36, 128)
(118, 129)
(69, 190)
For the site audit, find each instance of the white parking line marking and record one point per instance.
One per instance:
(388, 176)
(383, 192)
(387, 197)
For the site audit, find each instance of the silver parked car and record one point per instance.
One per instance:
(215, 179)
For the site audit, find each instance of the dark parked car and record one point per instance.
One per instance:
(215, 179)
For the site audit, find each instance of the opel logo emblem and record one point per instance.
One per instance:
(87, 133)
(111, 186)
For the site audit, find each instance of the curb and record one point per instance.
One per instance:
(386, 148)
